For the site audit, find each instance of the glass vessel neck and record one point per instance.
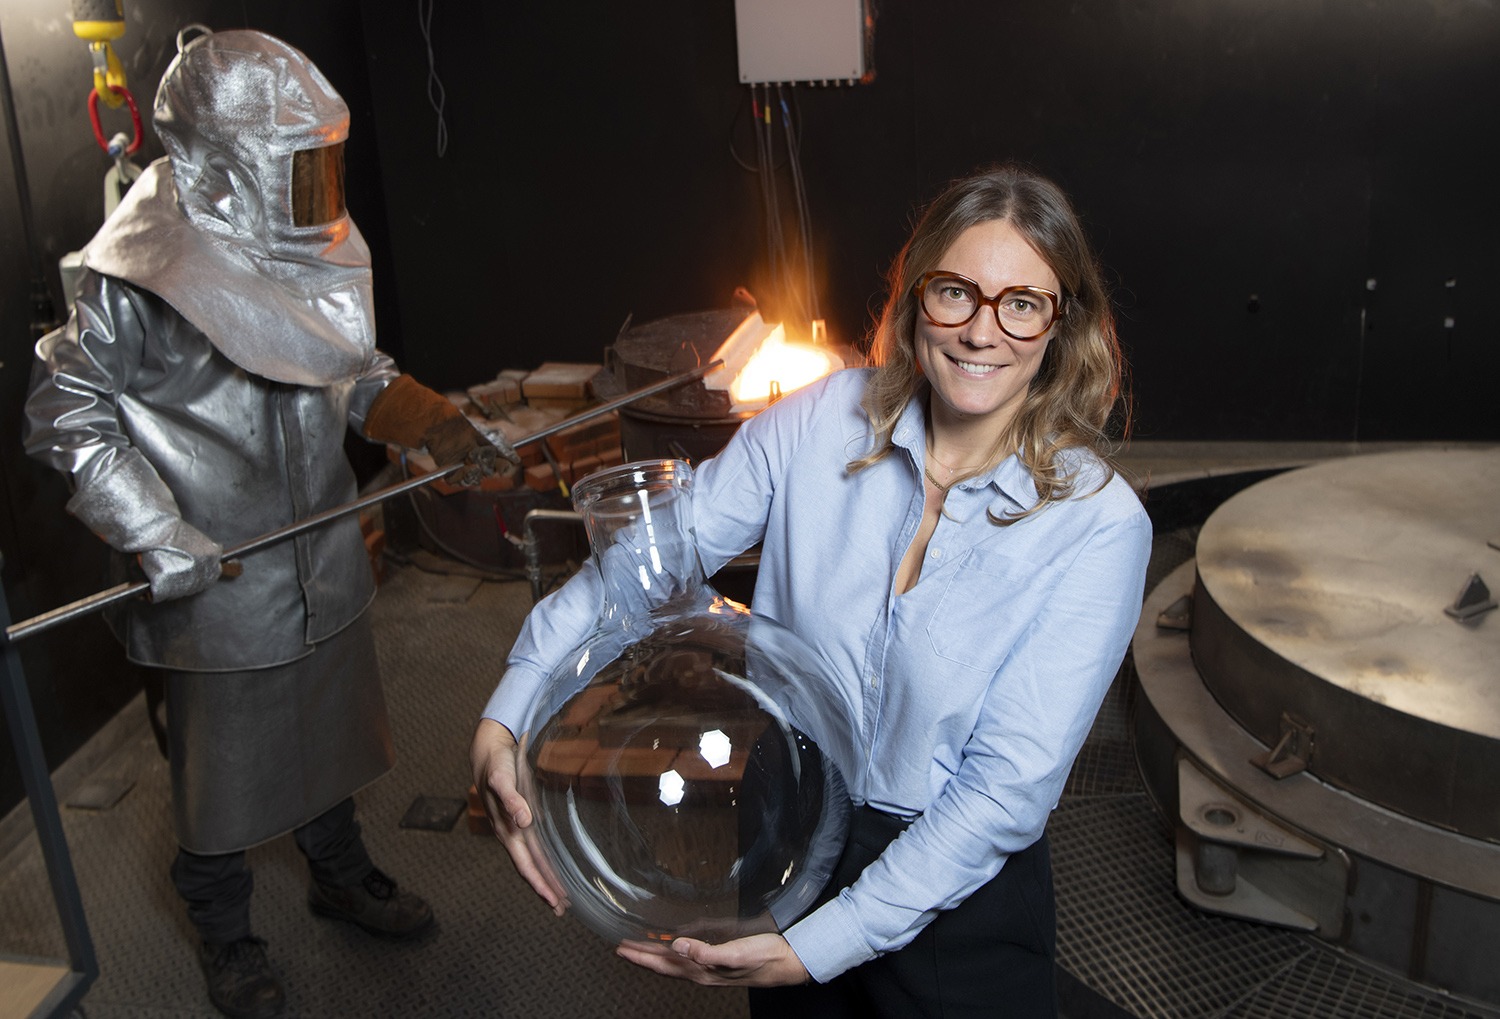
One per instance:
(639, 518)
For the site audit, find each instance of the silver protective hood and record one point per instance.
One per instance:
(210, 228)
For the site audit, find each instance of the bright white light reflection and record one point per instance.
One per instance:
(671, 787)
(776, 361)
(653, 549)
(715, 747)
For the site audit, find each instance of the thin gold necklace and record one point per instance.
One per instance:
(969, 472)
(933, 456)
(935, 482)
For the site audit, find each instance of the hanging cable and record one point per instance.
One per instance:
(769, 208)
(804, 224)
(734, 152)
(437, 97)
(805, 214)
(790, 266)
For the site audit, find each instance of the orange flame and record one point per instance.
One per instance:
(762, 364)
(781, 365)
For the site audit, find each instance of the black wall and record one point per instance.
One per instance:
(1291, 198)
(1246, 168)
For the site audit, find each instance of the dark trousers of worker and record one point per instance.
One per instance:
(992, 955)
(217, 888)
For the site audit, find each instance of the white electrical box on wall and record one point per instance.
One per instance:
(817, 41)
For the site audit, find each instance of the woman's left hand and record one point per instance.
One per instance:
(760, 960)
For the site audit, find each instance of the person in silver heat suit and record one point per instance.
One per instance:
(221, 343)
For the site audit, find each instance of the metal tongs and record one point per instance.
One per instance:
(130, 589)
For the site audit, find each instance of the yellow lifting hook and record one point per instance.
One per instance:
(97, 22)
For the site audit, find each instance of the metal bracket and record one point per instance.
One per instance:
(1178, 615)
(1292, 752)
(1473, 599)
(1235, 861)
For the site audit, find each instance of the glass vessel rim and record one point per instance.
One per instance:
(637, 474)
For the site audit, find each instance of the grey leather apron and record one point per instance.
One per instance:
(255, 754)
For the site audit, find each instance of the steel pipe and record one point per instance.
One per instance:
(120, 592)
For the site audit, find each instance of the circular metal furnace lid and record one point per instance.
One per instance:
(1319, 608)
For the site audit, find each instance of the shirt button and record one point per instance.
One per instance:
(937, 553)
(874, 682)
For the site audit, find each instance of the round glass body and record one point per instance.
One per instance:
(685, 764)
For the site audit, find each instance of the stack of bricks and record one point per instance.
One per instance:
(576, 452)
(567, 389)
(517, 404)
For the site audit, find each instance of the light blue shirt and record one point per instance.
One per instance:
(975, 688)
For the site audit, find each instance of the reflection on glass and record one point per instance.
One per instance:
(687, 764)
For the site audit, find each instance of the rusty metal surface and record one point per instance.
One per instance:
(654, 350)
(1320, 595)
(691, 421)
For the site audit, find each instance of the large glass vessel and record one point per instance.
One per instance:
(686, 764)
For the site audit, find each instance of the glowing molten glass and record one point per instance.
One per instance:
(761, 364)
(787, 366)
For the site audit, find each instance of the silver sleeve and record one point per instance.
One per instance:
(73, 423)
(130, 507)
(72, 413)
(371, 381)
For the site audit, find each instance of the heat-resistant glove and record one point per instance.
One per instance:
(130, 507)
(411, 415)
(185, 562)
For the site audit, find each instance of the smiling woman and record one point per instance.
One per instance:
(1000, 385)
(924, 527)
(978, 370)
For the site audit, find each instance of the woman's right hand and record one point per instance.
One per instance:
(493, 756)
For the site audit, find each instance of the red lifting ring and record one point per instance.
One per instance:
(135, 118)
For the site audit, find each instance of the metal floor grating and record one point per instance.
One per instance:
(1124, 933)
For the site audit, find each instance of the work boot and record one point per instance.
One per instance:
(241, 982)
(375, 904)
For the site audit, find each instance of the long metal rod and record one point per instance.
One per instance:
(120, 592)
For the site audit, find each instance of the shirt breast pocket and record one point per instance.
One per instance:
(986, 605)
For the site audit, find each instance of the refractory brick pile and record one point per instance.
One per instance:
(517, 404)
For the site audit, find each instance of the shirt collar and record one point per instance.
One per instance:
(1010, 479)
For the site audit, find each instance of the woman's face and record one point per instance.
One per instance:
(978, 373)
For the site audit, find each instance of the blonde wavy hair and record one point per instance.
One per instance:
(1071, 400)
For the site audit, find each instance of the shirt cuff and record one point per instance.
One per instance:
(511, 700)
(828, 941)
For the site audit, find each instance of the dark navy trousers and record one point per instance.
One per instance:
(992, 955)
(217, 888)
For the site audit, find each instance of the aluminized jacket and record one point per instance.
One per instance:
(131, 389)
(199, 396)
(217, 353)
